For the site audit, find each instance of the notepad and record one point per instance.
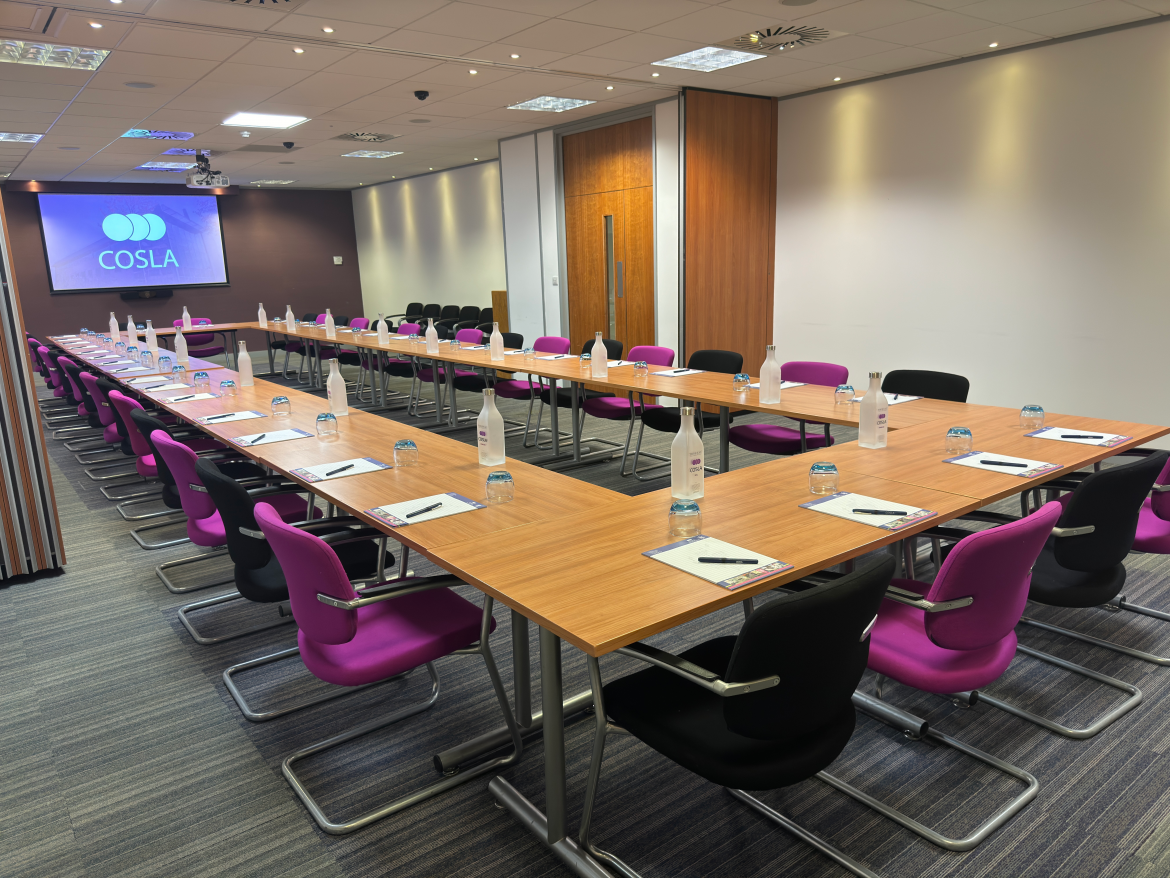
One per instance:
(149, 379)
(684, 555)
(558, 357)
(192, 397)
(395, 514)
(1032, 469)
(677, 373)
(355, 467)
(890, 400)
(843, 503)
(228, 417)
(269, 438)
(784, 385)
(1107, 440)
(473, 347)
(157, 387)
(129, 369)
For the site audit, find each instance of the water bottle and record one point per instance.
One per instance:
(599, 358)
(497, 343)
(432, 337)
(131, 330)
(330, 325)
(873, 421)
(770, 377)
(115, 333)
(289, 320)
(335, 388)
(186, 319)
(489, 431)
(383, 330)
(262, 316)
(686, 459)
(244, 366)
(151, 338)
(181, 348)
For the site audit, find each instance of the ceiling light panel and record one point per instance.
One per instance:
(272, 182)
(176, 167)
(264, 120)
(708, 59)
(190, 150)
(369, 154)
(149, 134)
(549, 104)
(9, 137)
(43, 54)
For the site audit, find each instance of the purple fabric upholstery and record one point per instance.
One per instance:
(969, 647)
(513, 388)
(1153, 530)
(469, 336)
(617, 408)
(354, 647)
(199, 344)
(827, 374)
(409, 329)
(362, 323)
(73, 391)
(144, 462)
(774, 439)
(54, 373)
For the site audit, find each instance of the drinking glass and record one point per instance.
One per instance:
(281, 407)
(823, 478)
(641, 369)
(684, 519)
(146, 358)
(405, 453)
(165, 363)
(500, 487)
(201, 380)
(132, 354)
(529, 353)
(179, 374)
(227, 387)
(326, 424)
(586, 361)
(84, 332)
(844, 394)
(959, 441)
(1031, 417)
(740, 382)
(120, 348)
(413, 339)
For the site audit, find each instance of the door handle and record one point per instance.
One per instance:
(620, 280)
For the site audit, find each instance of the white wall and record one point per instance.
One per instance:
(437, 238)
(522, 238)
(1007, 219)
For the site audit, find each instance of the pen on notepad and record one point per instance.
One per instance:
(258, 438)
(1001, 463)
(673, 371)
(424, 509)
(879, 511)
(729, 560)
(334, 472)
(1079, 436)
(217, 417)
(181, 398)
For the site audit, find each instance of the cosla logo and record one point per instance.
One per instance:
(134, 227)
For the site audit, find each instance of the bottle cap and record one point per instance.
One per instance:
(488, 392)
(875, 374)
(688, 410)
(770, 347)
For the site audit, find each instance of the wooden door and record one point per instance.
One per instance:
(594, 231)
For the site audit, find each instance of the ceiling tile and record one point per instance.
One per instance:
(460, 75)
(378, 12)
(235, 15)
(273, 53)
(773, 66)
(977, 42)
(1006, 11)
(867, 15)
(178, 43)
(589, 65)
(475, 22)
(381, 65)
(141, 64)
(129, 115)
(350, 31)
(633, 16)
(46, 75)
(903, 58)
(714, 24)
(842, 49)
(1082, 18)
(1162, 7)
(644, 48)
(503, 52)
(330, 89)
(536, 7)
(27, 121)
(39, 90)
(74, 28)
(163, 85)
(566, 36)
(232, 75)
(35, 105)
(771, 9)
(235, 100)
(437, 44)
(930, 27)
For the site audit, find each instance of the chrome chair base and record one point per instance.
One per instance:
(142, 488)
(137, 532)
(194, 559)
(143, 516)
(286, 618)
(1118, 603)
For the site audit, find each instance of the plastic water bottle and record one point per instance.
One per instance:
(262, 316)
(151, 338)
(335, 388)
(186, 319)
(489, 431)
(770, 380)
(131, 330)
(330, 325)
(115, 333)
(181, 348)
(873, 421)
(686, 459)
(432, 337)
(598, 358)
(383, 330)
(289, 320)
(496, 343)
(244, 366)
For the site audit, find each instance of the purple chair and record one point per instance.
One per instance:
(398, 367)
(514, 388)
(353, 637)
(774, 439)
(1153, 530)
(105, 415)
(201, 344)
(426, 374)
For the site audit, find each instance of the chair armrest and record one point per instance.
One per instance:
(309, 525)
(990, 517)
(1160, 489)
(951, 534)
(913, 599)
(1073, 531)
(692, 673)
(387, 591)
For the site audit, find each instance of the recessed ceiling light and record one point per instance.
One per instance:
(48, 55)
(369, 154)
(655, 74)
(188, 150)
(174, 167)
(273, 182)
(476, 159)
(245, 134)
(95, 24)
(836, 79)
(473, 72)
(992, 45)
(430, 169)
(549, 104)
(138, 84)
(151, 134)
(264, 120)
(709, 58)
(299, 50)
(609, 88)
(514, 55)
(116, 2)
(797, 2)
(69, 147)
(327, 30)
(8, 137)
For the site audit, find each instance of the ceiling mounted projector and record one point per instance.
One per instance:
(202, 176)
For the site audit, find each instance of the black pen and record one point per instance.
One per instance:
(1078, 436)
(879, 511)
(181, 398)
(217, 417)
(424, 509)
(895, 396)
(1001, 463)
(673, 371)
(258, 438)
(154, 386)
(729, 560)
(334, 472)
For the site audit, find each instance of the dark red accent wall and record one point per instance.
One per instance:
(279, 245)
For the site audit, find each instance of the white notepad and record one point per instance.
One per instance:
(155, 388)
(1031, 469)
(784, 385)
(890, 398)
(269, 438)
(228, 417)
(677, 373)
(126, 369)
(395, 514)
(354, 467)
(191, 397)
(1061, 434)
(150, 380)
(684, 555)
(843, 503)
(558, 357)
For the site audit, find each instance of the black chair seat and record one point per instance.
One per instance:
(669, 420)
(471, 383)
(1059, 586)
(397, 368)
(565, 396)
(267, 585)
(349, 358)
(686, 724)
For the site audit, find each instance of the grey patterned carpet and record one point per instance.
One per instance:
(124, 755)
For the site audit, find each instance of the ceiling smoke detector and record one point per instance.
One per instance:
(365, 137)
(781, 37)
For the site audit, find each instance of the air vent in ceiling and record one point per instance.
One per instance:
(264, 147)
(780, 38)
(366, 137)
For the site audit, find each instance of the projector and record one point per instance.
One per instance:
(202, 176)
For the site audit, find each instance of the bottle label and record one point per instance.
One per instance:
(695, 477)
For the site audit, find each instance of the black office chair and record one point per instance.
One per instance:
(449, 316)
(413, 310)
(427, 313)
(921, 382)
(764, 710)
(669, 420)
(485, 316)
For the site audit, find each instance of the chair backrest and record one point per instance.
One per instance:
(146, 426)
(53, 374)
(613, 347)
(309, 317)
(814, 641)
(429, 311)
(105, 388)
(513, 340)
(124, 405)
(449, 312)
(652, 355)
(237, 510)
(34, 347)
(469, 336)
(341, 320)
(412, 309)
(198, 339)
(71, 371)
(105, 411)
(181, 462)
(485, 316)
(716, 361)
(994, 567)
(443, 331)
(310, 567)
(829, 374)
(469, 312)
(922, 382)
(1160, 500)
(362, 323)
(409, 329)
(551, 344)
(1110, 501)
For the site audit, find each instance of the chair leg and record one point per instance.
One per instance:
(916, 729)
(184, 617)
(143, 488)
(1119, 603)
(194, 559)
(284, 368)
(126, 504)
(1106, 720)
(126, 473)
(161, 544)
(639, 453)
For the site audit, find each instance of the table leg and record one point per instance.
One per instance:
(235, 351)
(574, 389)
(435, 382)
(271, 355)
(556, 425)
(724, 449)
(452, 409)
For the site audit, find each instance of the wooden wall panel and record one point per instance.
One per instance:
(639, 267)
(608, 159)
(585, 259)
(730, 223)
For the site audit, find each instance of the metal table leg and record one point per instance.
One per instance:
(556, 426)
(235, 351)
(574, 390)
(724, 449)
(438, 399)
(452, 413)
(271, 355)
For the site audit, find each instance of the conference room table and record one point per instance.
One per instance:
(227, 330)
(96, 358)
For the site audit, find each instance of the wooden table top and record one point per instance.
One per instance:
(915, 455)
(585, 578)
(195, 365)
(208, 327)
